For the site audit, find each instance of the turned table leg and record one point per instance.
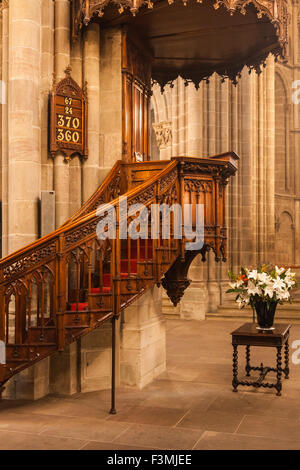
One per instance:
(286, 369)
(235, 368)
(278, 385)
(248, 368)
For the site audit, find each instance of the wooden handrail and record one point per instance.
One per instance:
(96, 196)
(82, 220)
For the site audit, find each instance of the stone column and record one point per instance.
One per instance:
(91, 75)
(75, 189)
(62, 61)
(182, 117)
(193, 305)
(175, 119)
(63, 366)
(61, 175)
(233, 187)
(270, 161)
(24, 122)
(211, 123)
(22, 149)
(47, 70)
(194, 121)
(76, 60)
(75, 165)
(223, 146)
(4, 142)
(110, 100)
(246, 177)
(2, 98)
(143, 341)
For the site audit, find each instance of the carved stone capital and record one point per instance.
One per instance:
(163, 133)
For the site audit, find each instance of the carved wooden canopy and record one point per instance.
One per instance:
(194, 38)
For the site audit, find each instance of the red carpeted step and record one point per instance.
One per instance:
(104, 290)
(81, 306)
(106, 284)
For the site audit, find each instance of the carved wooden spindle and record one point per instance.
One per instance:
(248, 367)
(61, 292)
(2, 310)
(279, 372)
(286, 358)
(235, 368)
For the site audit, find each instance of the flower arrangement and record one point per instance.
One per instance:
(271, 284)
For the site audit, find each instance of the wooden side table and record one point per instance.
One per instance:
(248, 335)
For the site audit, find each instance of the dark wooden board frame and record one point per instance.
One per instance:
(68, 89)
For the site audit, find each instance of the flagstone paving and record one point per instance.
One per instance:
(190, 406)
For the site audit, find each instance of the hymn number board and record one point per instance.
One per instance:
(68, 129)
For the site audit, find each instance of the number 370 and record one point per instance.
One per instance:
(67, 121)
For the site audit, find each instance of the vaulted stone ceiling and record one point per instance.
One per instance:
(192, 38)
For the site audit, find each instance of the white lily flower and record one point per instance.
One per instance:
(253, 289)
(278, 283)
(269, 291)
(279, 270)
(253, 274)
(289, 283)
(264, 278)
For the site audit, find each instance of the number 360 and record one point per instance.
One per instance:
(68, 136)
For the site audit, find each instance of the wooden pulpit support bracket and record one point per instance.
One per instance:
(201, 183)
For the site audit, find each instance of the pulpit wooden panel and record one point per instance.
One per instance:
(136, 83)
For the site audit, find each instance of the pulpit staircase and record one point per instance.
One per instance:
(69, 282)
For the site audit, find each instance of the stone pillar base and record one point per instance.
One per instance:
(30, 384)
(85, 366)
(143, 341)
(194, 303)
(64, 371)
(96, 359)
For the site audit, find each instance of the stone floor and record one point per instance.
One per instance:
(190, 406)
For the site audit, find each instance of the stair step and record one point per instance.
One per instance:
(75, 327)
(288, 312)
(84, 312)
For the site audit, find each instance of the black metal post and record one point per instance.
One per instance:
(113, 367)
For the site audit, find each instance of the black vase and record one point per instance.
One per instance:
(265, 313)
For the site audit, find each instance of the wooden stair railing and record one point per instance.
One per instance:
(121, 178)
(66, 284)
